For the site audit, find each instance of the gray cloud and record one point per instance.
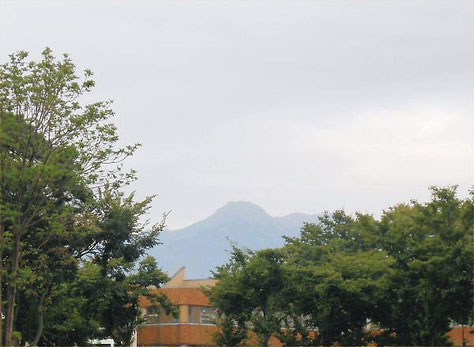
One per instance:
(296, 105)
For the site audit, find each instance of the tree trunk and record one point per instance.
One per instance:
(1, 289)
(39, 318)
(16, 309)
(11, 292)
(2, 231)
(2, 227)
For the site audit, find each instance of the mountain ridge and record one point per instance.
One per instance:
(203, 245)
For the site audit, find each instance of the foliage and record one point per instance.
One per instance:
(432, 282)
(229, 295)
(69, 239)
(352, 280)
(232, 331)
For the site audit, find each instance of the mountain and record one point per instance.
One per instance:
(204, 245)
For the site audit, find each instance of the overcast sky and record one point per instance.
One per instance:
(295, 105)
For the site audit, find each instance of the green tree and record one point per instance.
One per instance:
(229, 296)
(61, 213)
(101, 297)
(248, 294)
(350, 280)
(334, 274)
(121, 241)
(98, 306)
(432, 282)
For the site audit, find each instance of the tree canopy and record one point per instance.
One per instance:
(69, 237)
(352, 280)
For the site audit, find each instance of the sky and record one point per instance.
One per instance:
(294, 105)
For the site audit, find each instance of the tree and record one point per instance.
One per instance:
(121, 241)
(100, 299)
(61, 212)
(333, 277)
(432, 282)
(352, 280)
(247, 293)
(317, 290)
(98, 306)
(232, 331)
(229, 296)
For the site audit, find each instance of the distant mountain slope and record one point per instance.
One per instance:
(204, 245)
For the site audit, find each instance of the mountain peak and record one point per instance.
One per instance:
(202, 246)
(240, 210)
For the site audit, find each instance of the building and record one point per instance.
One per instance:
(194, 327)
(462, 335)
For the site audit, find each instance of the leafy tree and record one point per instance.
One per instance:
(333, 276)
(232, 331)
(247, 293)
(263, 278)
(229, 296)
(323, 281)
(62, 217)
(432, 281)
(97, 306)
(352, 280)
(48, 262)
(120, 242)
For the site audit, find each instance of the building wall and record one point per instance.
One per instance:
(175, 335)
(191, 328)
